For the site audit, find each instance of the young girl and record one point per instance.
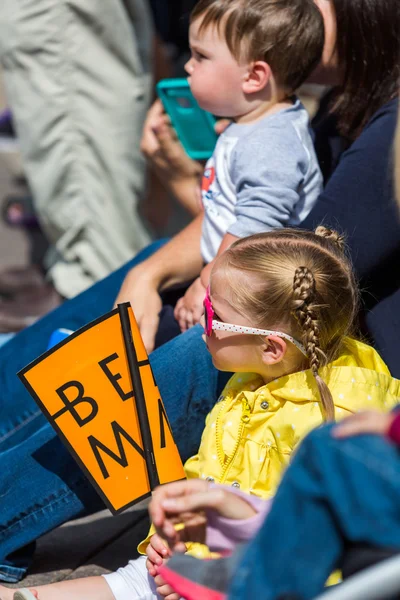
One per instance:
(278, 312)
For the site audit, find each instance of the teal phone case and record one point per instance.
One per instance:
(193, 125)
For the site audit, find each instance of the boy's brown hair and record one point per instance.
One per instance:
(286, 34)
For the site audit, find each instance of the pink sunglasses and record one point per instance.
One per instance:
(210, 325)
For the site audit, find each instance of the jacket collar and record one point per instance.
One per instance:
(358, 366)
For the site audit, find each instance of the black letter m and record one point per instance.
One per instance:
(120, 458)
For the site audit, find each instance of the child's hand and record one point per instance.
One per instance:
(364, 422)
(189, 309)
(185, 503)
(156, 551)
(165, 590)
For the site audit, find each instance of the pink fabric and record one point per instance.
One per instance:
(394, 430)
(224, 534)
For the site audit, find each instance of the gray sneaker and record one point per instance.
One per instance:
(24, 594)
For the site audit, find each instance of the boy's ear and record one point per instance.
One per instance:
(257, 77)
(273, 350)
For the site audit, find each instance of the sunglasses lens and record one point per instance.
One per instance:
(208, 314)
(207, 328)
(206, 322)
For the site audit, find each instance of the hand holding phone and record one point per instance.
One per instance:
(193, 125)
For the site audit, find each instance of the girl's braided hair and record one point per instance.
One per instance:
(303, 284)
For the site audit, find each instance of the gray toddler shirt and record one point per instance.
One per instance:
(262, 176)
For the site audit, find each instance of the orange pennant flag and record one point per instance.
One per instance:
(98, 391)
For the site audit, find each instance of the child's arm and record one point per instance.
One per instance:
(195, 504)
(189, 308)
(225, 532)
(89, 588)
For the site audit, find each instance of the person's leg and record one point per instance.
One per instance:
(41, 487)
(334, 491)
(5, 337)
(78, 79)
(85, 588)
(132, 581)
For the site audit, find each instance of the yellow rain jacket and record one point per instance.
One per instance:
(253, 429)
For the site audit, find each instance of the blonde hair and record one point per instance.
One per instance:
(287, 34)
(303, 284)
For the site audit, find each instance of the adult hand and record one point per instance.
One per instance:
(183, 503)
(167, 157)
(162, 148)
(142, 293)
(364, 422)
(189, 309)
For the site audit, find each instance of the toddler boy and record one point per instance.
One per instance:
(248, 58)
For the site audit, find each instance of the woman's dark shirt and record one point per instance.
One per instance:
(359, 200)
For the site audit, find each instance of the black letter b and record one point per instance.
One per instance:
(80, 399)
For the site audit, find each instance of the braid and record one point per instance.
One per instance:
(304, 292)
(333, 236)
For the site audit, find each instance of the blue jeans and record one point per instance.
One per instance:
(5, 337)
(334, 492)
(41, 486)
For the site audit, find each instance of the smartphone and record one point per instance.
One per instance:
(193, 125)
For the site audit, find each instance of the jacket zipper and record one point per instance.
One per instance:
(225, 461)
